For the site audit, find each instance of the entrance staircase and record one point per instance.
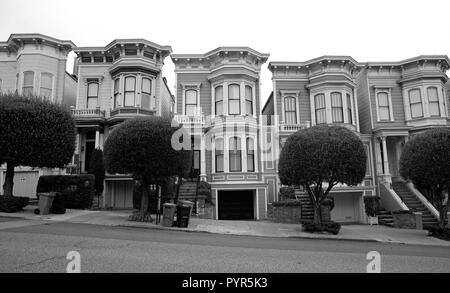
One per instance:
(385, 218)
(413, 203)
(307, 209)
(188, 190)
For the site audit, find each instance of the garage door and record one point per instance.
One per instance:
(123, 195)
(346, 207)
(25, 183)
(236, 205)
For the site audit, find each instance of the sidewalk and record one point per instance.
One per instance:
(248, 228)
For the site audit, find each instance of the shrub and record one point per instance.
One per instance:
(438, 232)
(287, 203)
(286, 192)
(204, 189)
(330, 227)
(12, 204)
(97, 169)
(77, 190)
(372, 205)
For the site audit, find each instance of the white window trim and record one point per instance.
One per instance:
(191, 86)
(440, 101)
(294, 94)
(225, 83)
(23, 81)
(226, 154)
(423, 86)
(391, 111)
(327, 93)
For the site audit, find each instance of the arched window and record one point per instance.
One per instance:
(130, 91)
(383, 106)
(191, 103)
(116, 92)
(248, 100)
(415, 103)
(349, 109)
(290, 110)
(92, 95)
(146, 94)
(28, 83)
(219, 155)
(235, 154)
(321, 111)
(219, 100)
(336, 107)
(234, 99)
(433, 101)
(46, 85)
(250, 155)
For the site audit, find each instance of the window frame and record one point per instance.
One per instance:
(88, 97)
(349, 108)
(437, 102)
(216, 101)
(218, 153)
(247, 100)
(416, 103)
(340, 108)
(116, 94)
(379, 106)
(27, 87)
(151, 105)
(290, 111)
(250, 150)
(186, 102)
(50, 88)
(316, 109)
(235, 153)
(125, 91)
(234, 99)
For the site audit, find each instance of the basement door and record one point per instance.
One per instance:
(236, 205)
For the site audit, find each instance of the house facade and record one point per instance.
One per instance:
(120, 81)
(218, 104)
(35, 64)
(384, 103)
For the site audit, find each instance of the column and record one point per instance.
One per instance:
(386, 175)
(202, 158)
(97, 138)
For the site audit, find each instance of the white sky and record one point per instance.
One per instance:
(382, 30)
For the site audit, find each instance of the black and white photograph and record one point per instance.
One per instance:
(228, 143)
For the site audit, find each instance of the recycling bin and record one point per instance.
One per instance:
(184, 209)
(168, 214)
(45, 203)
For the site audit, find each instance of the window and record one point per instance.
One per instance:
(28, 83)
(130, 91)
(383, 106)
(191, 103)
(219, 100)
(46, 85)
(92, 96)
(290, 110)
(116, 92)
(219, 155)
(321, 111)
(433, 101)
(248, 100)
(415, 103)
(349, 109)
(146, 98)
(235, 154)
(250, 155)
(336, 107)
(234, 100)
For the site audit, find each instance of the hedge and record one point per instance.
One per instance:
(12, 204)
(77, 190)
(287, 203)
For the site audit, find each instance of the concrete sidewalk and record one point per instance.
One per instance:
(247, 228)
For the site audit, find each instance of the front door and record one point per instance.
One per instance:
(236, 205)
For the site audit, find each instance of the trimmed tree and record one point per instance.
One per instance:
(35, 133)
(319, 156)
(142, 147)
(425, 161)
(97, 168)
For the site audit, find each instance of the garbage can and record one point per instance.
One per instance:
(45, 203)
(184, 208)
(168, 214)
(58, 205)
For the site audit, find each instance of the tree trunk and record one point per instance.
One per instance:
(443, 215)
(143, 215)
(317, 213)
(9, 180)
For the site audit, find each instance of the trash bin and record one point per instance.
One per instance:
(168, 214)
(45, 203)
(184, 208)
(58, 205)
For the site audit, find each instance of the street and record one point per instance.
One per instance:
(33, 246)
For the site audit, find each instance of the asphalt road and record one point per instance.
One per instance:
(27, 246)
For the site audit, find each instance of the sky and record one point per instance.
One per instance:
(381, 30)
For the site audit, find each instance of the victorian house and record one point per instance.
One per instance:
(218, 103)
(35, 64)
(120, 81)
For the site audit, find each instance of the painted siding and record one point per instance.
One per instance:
(164, 98)
(303, 101)
(205, 90)
(268, 111)
(70, 91)
(363, 103)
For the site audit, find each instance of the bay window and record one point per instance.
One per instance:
(219, 100)
(433, 102)
(46, 86)
(349, 109)
(234, 99)
(219, 153)
(248, 100)
(415, 103)
(130, 91)
(116, 93)
(28, 83)
(235, 154)
(191, 102)
(250, 155)
(320, 109)
(92, 95)
(146, 90)
(290, 110)
(336, 107)
(383, 106)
